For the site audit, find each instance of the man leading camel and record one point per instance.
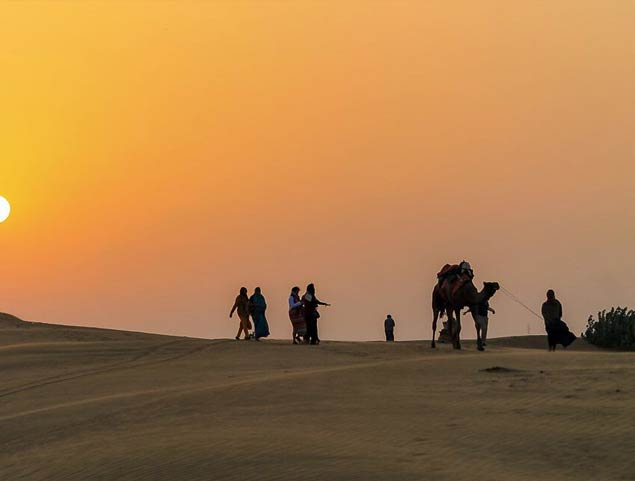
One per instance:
(465, 296)
(480, 313)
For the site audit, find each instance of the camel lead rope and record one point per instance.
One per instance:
(515, 299)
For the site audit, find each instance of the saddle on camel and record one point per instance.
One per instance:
(454, 291)
(452, 277)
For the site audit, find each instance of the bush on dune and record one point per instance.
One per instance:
(615, 328)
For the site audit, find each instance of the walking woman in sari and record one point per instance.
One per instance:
(257, 308)
(242, 306)
(296, 315)
(311, 314)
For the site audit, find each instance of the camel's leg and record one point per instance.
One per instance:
(484, 331)
(435, 318)
(478, 324)
(457, 344)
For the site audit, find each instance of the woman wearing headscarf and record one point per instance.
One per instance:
(557, 330)
(296, 315)
(241, 304)
(311, 314)
(257, 308)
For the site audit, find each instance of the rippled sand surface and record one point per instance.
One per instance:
(89, 404)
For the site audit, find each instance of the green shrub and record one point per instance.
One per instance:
(615, 328)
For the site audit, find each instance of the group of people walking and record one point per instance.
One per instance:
(254, 306)
(303, 314)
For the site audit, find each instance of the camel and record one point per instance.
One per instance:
(466, 296)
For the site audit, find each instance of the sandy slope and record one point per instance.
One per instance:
(90, 404)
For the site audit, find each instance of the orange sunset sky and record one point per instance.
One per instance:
(159, 155)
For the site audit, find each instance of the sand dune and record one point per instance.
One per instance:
(93, 404)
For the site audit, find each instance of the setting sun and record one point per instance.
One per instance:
(5, 209)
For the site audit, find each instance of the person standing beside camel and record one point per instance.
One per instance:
(481, 320)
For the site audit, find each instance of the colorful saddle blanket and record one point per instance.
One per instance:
(452, 277)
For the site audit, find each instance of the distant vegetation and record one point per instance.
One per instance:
(614, 328)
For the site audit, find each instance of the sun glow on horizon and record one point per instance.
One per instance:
(5, 209)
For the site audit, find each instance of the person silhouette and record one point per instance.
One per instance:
(257, 308)
(311, 314)
(296, 315)
(241, 304)
(557, 330)
(389, 328)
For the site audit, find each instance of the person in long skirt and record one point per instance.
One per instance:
(311, 314)
(296, 315)
(241, 304)
(257, 308)
(557, 330)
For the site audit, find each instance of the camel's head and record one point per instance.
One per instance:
(491, 288)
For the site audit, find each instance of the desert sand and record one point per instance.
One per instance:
(93, 404)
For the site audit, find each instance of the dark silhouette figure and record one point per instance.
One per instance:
(257, 308)
(311, 314)
(296, 315)
(481, 322)
(389, 328)
(557, 330)
(242, 305)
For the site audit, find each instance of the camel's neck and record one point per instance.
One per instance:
(476, 297)
(470, 296)
(482, 296)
